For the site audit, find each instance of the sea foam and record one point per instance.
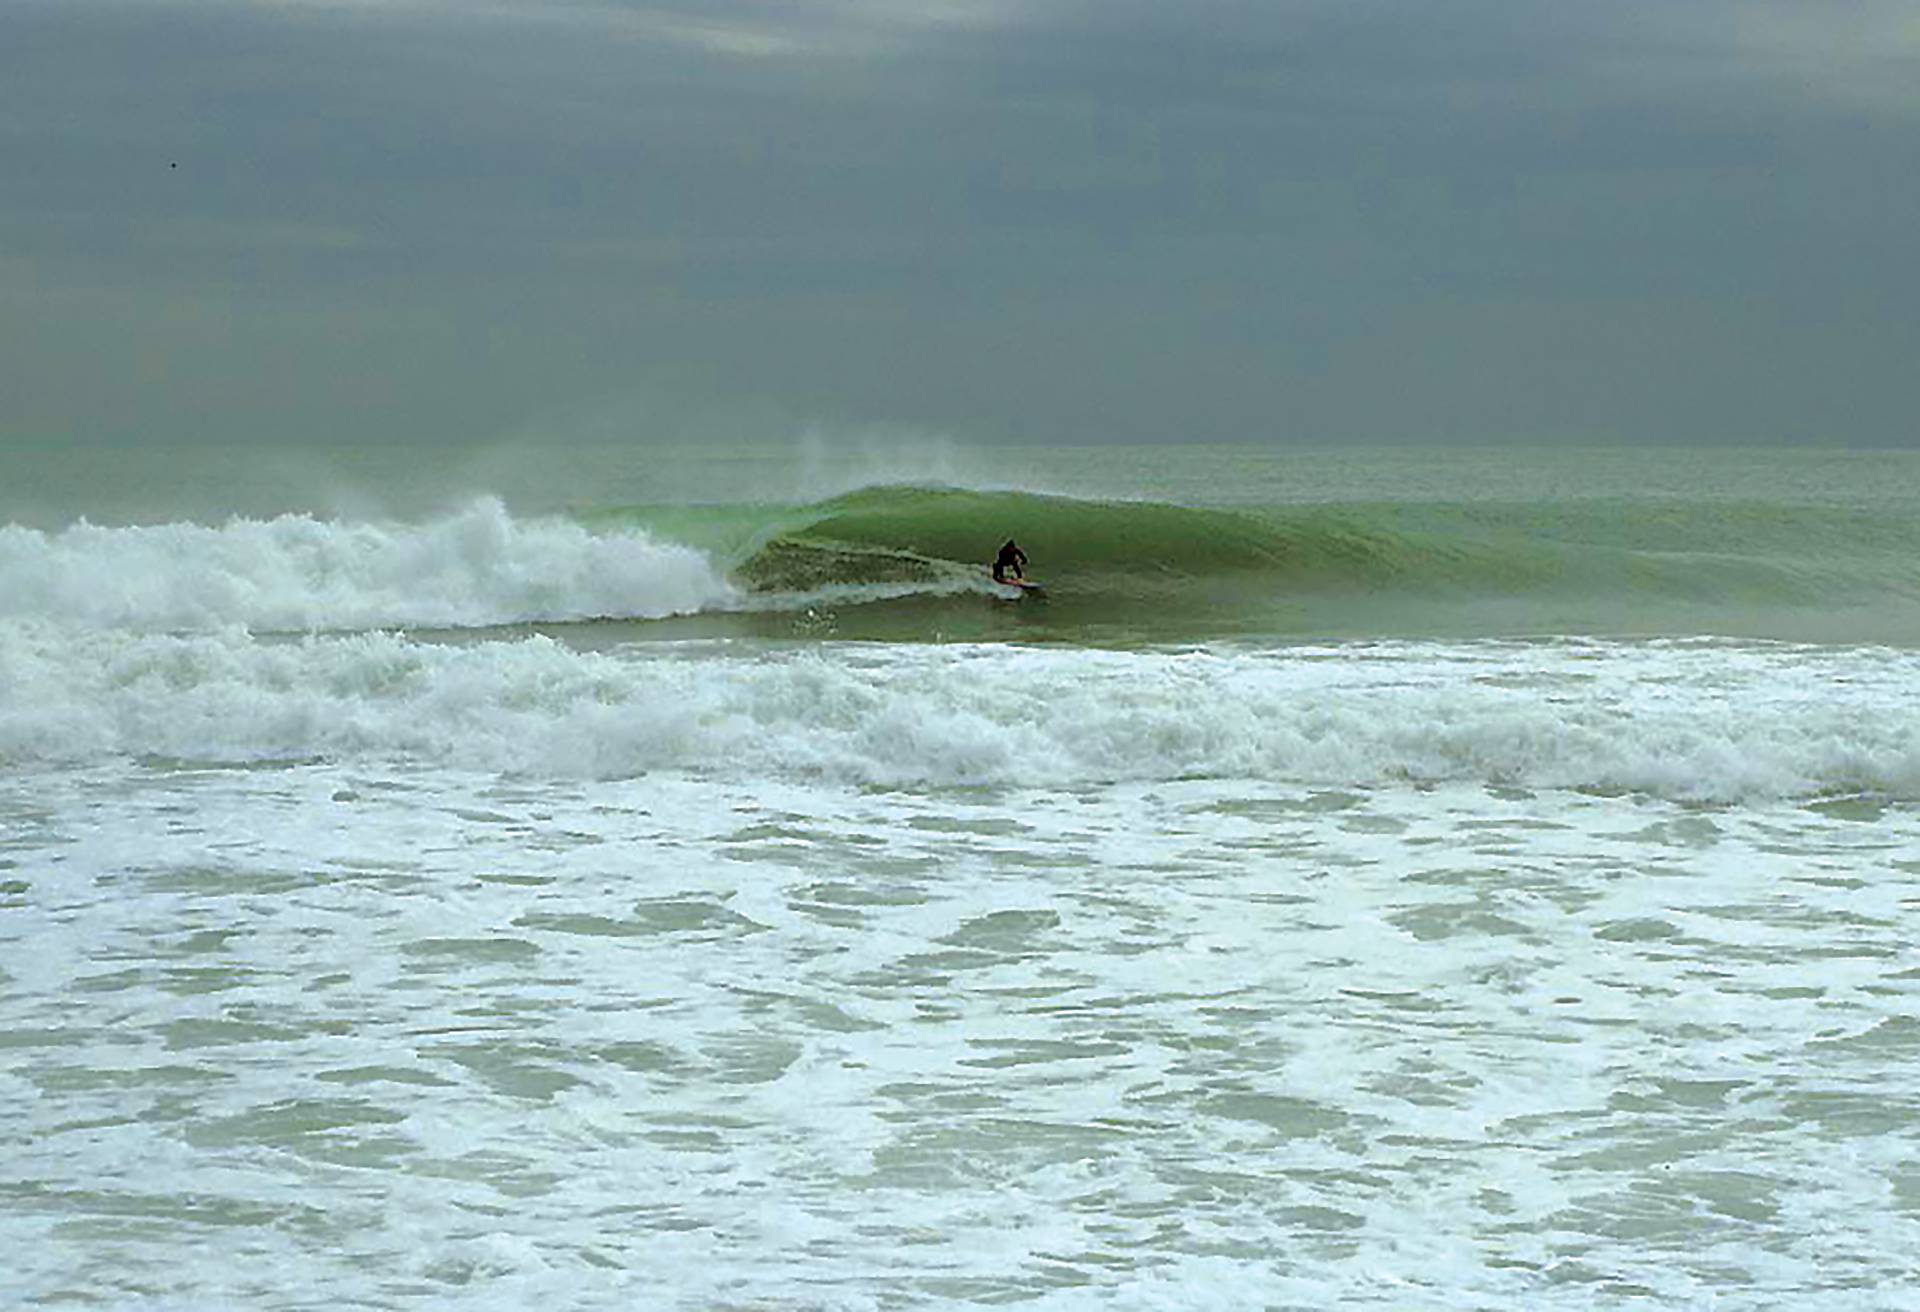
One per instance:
(1700, 721)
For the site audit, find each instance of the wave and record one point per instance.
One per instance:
(1700, 720)
(939, 538)
(934, 535)
(909, 562)
(479, 566)
(922, 530)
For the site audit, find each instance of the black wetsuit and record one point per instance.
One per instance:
(1010, 558)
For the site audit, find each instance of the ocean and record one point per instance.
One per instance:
(627, 877)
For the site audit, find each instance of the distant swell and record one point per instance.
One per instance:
(479, 566)
(1704, 721)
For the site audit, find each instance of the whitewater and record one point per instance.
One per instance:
(1348, 885)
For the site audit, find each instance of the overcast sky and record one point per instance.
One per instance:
(1330, 220)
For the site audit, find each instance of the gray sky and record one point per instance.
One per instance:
(451, 220)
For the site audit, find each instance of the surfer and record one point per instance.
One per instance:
(1010, 560)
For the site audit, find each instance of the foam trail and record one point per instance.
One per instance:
(1706, 721)
(478, 566)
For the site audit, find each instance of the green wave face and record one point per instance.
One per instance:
(1136, 549)
(1162, 571)
(1071, 539)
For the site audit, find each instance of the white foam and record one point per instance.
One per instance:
(1705, 721)
(478, 566)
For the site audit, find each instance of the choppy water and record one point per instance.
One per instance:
(792, 953)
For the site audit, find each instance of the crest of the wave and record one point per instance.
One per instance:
(477, 566)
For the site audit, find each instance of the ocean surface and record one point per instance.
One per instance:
(680, 878)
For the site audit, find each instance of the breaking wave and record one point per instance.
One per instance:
(919, 554)
(480, 566)
(932, 536)
(1707, 721)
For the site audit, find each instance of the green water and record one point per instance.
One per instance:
(1823, 555)
(1139, 544)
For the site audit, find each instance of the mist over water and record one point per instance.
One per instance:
(692, 882)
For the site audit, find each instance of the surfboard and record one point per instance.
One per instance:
(1020, 587)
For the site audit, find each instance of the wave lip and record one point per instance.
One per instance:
(1691, 721)
(479, 566)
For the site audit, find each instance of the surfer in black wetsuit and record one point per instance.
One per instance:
(1010, 560)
